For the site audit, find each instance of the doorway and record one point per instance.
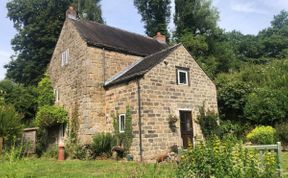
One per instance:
(186, 128)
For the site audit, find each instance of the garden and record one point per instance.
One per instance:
(224, 153)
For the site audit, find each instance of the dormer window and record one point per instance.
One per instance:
(182, 76)
(64, 57)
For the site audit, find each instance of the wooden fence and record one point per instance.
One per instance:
(275, 147)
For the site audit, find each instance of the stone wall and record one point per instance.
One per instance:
(161, 96)
(70, 80)
(117, 98)
(80, 82)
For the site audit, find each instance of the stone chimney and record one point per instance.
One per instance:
(160, 38)
(71, 13)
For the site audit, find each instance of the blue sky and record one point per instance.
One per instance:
(247, 16)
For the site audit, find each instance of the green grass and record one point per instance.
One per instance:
(76, 168)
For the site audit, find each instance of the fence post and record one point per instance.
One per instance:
(279, 158)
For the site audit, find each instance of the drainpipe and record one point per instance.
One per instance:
(104, 65)
(139, 120)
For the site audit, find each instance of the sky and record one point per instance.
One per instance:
(246, 16)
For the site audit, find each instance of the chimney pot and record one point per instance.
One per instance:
(160, 38)
(71, 13)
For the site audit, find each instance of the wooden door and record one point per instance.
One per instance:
(186, 128)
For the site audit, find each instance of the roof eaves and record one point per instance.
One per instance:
(108, 47)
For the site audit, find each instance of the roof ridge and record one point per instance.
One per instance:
(117, 28)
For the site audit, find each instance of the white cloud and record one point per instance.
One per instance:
(247, 7)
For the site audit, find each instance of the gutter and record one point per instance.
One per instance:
(139, 121)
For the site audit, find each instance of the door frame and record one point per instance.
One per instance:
(192, 125)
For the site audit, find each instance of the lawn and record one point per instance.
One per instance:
(76, 168)
(34, 168)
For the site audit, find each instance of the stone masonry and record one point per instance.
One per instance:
(80, 85)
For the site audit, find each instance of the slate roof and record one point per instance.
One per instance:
(141, 67)
(111, 38)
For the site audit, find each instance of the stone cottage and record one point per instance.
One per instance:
(97, 70)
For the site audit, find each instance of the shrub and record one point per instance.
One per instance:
(262, 135)
(10, 123)
(234, 128)
(282, 133)
(102, 144)
(50, 115)
(226, 159)
(51, 152)
(209, 123)
(45, 92)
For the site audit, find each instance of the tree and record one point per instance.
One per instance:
(21, 98)
(38, 23)
(195, 16)
(155, 15)
(90, 10)
(10, 123)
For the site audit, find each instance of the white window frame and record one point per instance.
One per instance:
(64, 57)
(56, 93)
(178, 76)
(121, 128)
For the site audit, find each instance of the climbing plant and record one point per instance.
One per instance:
(126, 137)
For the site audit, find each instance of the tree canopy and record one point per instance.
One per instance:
(38, 24)
(155, 15)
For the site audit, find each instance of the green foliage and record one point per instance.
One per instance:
(232, 97)
(89, 10)
(51, 152)
(226, 159)
(282, 133)
(50, 115)
(124, 139)
(155, 15)
(21, 98)
(267, 106)
(262, 135)
(38, 24)
(45, 92)
(209, 123)
(102, 144)
(233, 128)
(257, 94)
(195, 16)
(10, 123)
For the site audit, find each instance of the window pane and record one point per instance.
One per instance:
(183, 77)
(122, 123)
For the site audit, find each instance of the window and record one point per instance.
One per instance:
(64, 57)
(182, 76)
(122, 123)
(57, 95)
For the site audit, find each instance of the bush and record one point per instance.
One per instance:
(51, 152)
(282, 133)
(209, 123)
(234, 128)
(103, 143)
(226, 159)
(262, 135)
(50, 115)
(10, 123)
